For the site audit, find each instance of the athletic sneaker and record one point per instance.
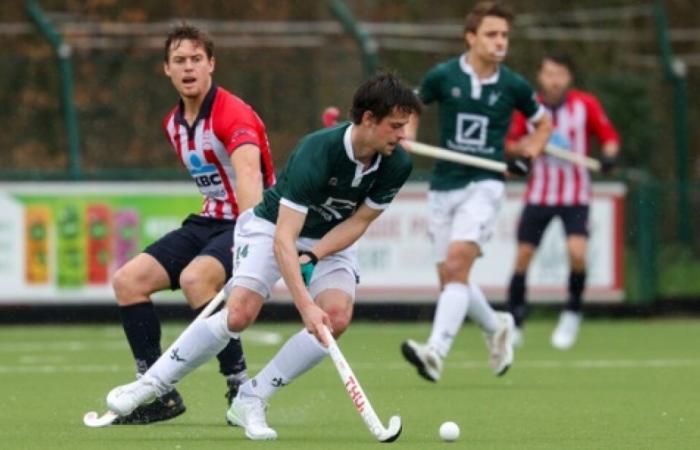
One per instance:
(564, 335)
(124, 399)
(248, 411)
(424, 357)
(162, 408)
(518, 338)
(500, 344)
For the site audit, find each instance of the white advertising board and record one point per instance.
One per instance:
(396, 260)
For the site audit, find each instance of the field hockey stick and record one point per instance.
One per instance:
(93, 420)
(432, 151)
(358, 396)
(580, 160)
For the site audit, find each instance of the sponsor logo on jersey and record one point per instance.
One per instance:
(205, 175)
(471, 130)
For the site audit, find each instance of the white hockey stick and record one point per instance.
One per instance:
(580, 160)
(432, 151)
(358, 396)
(93, 420)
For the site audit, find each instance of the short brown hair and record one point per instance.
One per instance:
(186, 32)
(382, 94)
(484, 9)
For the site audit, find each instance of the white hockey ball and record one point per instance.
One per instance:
(449, 431)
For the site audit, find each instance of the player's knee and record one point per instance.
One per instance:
(241, 314)
(454, 270)
(578, 263)
(340, 319)
(125, 286)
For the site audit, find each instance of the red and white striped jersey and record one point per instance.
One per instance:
(224, 124)
(555, 182)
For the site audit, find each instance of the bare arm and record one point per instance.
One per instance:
(347, 232)
(534, 145)
(249, 186)
(289, 225)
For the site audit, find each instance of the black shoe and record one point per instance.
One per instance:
(163, 408)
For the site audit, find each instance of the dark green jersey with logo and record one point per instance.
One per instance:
(323, 180)
(474, 116)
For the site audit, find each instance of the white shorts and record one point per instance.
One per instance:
(466, 214)
(254, 259)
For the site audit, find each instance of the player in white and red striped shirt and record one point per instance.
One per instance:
(223, 144)
(557, 188)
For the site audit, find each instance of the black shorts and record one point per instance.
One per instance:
(197, 236)
(535, 218)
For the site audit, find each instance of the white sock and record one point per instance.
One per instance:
(480, 311)
(451, 309)
(300, 353)
(203, 340)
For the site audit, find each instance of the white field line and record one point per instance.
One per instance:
(250, 337)
(398, 365)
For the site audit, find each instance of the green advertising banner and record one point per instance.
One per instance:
(62, 242)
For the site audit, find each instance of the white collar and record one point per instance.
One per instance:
(359, 172)
(476, 82)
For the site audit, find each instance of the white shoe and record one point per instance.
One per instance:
(424, 357)
(564, 335)
(500, 344)
(124, 399)
(248, 411)
(518, 338)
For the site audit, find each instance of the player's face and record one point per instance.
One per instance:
(555, 79)
(490, 42)
(189, 68)
(387, 133)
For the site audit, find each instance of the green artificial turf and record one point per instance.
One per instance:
(628, 384)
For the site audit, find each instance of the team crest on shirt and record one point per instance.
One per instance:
(333, 181)
(206, 140)
(493, 97)
(456, 92)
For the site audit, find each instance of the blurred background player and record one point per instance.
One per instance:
(335, 183)
(559, 189)
(223, 144)
(476, 97)
(330, 116)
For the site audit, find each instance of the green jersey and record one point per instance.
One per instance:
(323, 180)
(474, 116)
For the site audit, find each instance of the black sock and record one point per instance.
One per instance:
(231, 358)
(577, 282)
(517, 304)
(142, 329)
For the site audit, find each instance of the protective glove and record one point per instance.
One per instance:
(307, 269)
(607, 164)
(519, 165)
